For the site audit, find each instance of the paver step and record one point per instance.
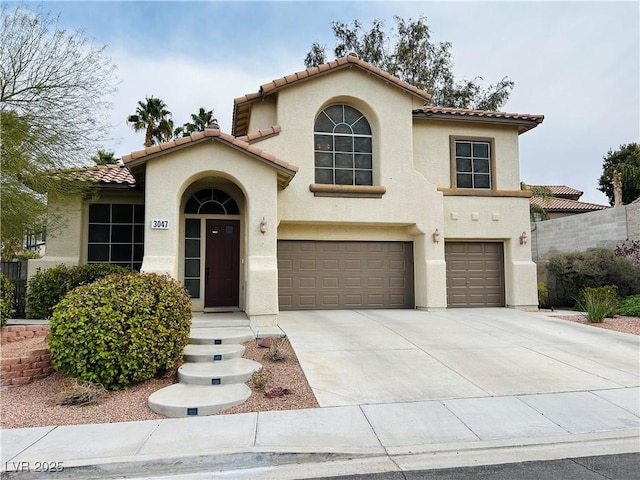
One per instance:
(220, 336)
(237, 370)
(183, 400)
(212, 353)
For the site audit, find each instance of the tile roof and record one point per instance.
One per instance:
(242, 105)
(525, 121)
(566, 205)
(286, 170)
(562, 191)
(261, 134)
(100, 174)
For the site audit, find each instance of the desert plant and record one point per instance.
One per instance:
(598, 303)
(80, 392)
(120, 329)
(630, 306)
(7, 291)
(259, 379)
(543, 295)
(280, 350)
(47, 287)
(569, 273)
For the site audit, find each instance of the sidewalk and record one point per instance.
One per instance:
(348, 439)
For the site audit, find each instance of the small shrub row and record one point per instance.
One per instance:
(120, 329)
(568, 274)
(47, 287)
(630, 306)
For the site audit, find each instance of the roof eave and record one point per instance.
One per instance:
(523, 125)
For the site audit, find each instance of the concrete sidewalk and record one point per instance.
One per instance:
(399, 391)
(351, 439)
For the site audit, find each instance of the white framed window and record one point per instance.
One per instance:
(472, 163)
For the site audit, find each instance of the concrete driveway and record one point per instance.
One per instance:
(359, 357)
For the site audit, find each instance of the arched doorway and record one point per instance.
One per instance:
(212, 248)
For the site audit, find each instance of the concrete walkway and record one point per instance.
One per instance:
(459, 416)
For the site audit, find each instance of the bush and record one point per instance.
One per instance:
(569, 273)
(7, 291)
(543, 295)
(121, 329)
(630, 306)
(598, 303)
(47, 287)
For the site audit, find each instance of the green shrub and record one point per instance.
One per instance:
(568, 274)
(543, 295)
(630, 306)
(7, 291)
(598, 303)
(120, 329)
(47, 287)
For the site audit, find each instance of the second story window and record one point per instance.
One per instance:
(342, 146)
(472, 163)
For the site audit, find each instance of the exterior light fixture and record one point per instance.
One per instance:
(436, 236)
(523, 238)
(263, 226)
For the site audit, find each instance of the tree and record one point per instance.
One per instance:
(199, 121)
(54, 87)
(543, 195)
(103, 157)
(621, 167)
(414, 58)
(154, 118)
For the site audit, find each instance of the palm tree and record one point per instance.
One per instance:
(199, 121)
(154, 118)
(541, 197)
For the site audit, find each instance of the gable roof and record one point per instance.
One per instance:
(138, 158)
(242, 105)
(524, 121)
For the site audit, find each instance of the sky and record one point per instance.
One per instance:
(577, 63)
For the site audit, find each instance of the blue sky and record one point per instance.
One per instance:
(578, 63)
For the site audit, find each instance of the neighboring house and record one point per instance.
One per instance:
(565, 202)
(338, 188)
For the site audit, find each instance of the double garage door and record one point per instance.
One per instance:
(347, 275)
(344, 275)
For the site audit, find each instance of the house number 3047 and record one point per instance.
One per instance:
(160, 224)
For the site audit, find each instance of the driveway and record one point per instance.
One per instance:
(354, 357)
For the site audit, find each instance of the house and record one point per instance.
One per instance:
(565, 201)
(339, 187)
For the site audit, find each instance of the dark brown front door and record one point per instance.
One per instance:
(222, 264)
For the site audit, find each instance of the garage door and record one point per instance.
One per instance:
(475, 274)
(326, 275)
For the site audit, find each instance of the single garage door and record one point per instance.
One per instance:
(475, 274)
(326, 275)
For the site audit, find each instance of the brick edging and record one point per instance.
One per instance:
(31, 365)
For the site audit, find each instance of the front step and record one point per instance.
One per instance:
(237, 370)
(183, 400)
(220, 336)
(212, 353)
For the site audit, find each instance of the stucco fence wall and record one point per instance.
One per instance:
(575, 233)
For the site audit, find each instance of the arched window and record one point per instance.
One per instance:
(343, 151)
(212, 202)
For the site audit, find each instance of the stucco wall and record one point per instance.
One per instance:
(603, 228)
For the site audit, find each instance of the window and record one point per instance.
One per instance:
(116, 234)
(342, 146)
(213, 202)
(472, 163)
(192, 256)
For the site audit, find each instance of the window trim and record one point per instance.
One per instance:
(492, 161)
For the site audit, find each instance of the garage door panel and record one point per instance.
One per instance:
(348, 274)
(475, 274)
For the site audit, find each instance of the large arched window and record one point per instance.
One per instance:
(212, 202)
(343, 151)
